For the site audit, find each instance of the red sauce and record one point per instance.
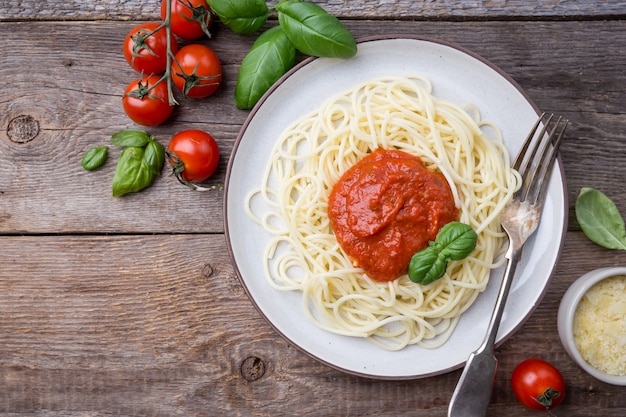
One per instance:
(387, 207)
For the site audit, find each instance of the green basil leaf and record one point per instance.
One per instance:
(454, 241)
(457, 240)
(426, 266)
(600, 219)
(131, 137)
(154, 157)
(270, 57)
(132, 174)
(314, 31)
(241, 16)
(95, 157)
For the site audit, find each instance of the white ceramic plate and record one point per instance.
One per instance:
(458, 76)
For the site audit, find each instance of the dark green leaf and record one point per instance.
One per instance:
(131, 137)
(455, 241)
(241, 16)
(132, 174)
(154, 157)
(270, 57)
(313, 31)
(600, 219)
(95, 157)
(425, 266)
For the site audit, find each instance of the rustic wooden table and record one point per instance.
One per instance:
(131, 307)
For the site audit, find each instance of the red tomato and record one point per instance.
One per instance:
(145, 48)
(146, 101)
(538, 385)
(193, 154)
(197, 71)
(189, 19)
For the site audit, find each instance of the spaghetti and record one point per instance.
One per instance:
(398, 113)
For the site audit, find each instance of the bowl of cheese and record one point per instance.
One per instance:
(592, 323)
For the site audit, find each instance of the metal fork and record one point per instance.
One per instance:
(519, 220)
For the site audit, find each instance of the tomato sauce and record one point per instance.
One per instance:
(387, 207)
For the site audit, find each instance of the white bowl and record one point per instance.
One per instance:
(567, 309)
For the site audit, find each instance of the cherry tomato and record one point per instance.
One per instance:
(538, 385)
(193, 154)
(145, 48)
(197, 71)
(146, 101)
(189, 19)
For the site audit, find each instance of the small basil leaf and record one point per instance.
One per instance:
(314, 31)
(600, 219)
(457, 239)
(95, 157)
(241, 16)
(270, 57)
(131, 174)
(154, 157)
(424, 265)
(436, 271)
(454, 241)
(131, 137)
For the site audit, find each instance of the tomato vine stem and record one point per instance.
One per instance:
(168, 67)
(178, 166)
(167, 76)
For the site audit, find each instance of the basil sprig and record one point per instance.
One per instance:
(313, 31)
(140, 162)
(271, 56)
(304, 26)
(455, 241)
(600, 219)
(242, 16)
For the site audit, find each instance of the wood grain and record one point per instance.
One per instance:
(397, 9)
(131, 306)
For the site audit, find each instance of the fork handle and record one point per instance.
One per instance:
(473, 391)
(513, 256)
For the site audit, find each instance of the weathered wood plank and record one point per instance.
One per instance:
(72, 99)
(398, 9)
(160, 326)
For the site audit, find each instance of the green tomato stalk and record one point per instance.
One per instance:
(170, 56)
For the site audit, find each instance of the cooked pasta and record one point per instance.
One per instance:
(311, 155)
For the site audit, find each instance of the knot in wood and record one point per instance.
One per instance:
(23, 129)
(208, 271)
(252, 368)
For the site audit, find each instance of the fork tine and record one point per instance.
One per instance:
(523, 152)
(556, 136)
(535, 171)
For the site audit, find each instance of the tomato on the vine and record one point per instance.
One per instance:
(189, 19)
(538, 385)
(146, 100)
(145, 48)
(196, 71)
(193, 154)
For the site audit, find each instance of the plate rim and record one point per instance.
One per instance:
(239, 138)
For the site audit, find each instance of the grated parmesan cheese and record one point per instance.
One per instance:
(600, 326)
